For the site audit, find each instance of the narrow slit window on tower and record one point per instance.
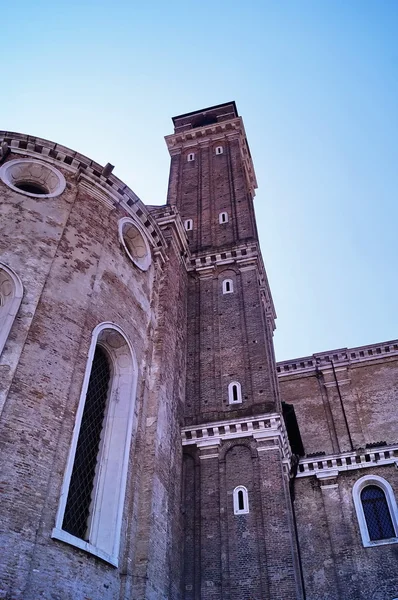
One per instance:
(241, 500)
(188, 224)
(219, 150)
(191, 157)
(223, 218)
(234, 392)
(227, 286)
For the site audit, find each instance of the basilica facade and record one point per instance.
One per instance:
(150, 445)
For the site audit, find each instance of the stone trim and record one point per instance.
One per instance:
(342, 357)
(321, 466)
(216, 132)
(247, 256)
(264, 428)
(88, 172)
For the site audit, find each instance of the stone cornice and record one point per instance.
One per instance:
(168, 216)
(190, 138)
(245, 256)
(344, 357)
(109, 190)
(268, 428)
(327, 466)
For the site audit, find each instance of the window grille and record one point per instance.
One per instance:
(377, 513)
(81, 487)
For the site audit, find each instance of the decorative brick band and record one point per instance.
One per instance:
(348, 461)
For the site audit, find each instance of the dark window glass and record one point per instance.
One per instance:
(235, 393)
(82, 481)
(377, 513)
(241, 504)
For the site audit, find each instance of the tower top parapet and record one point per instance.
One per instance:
(205, 116)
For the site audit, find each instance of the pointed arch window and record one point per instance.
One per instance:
(376, 510)
(234, 393)
(227, 286)
(92, 497)
(241, 500)
(11, 291)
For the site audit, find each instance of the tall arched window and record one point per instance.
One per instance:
(11, 292)
(241, 500)
(376, 510)
(85, 466)
(92, 498)
(234, 392)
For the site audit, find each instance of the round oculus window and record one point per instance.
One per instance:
(32, 178)
(135, 244)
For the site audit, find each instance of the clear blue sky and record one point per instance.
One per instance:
(317, 85)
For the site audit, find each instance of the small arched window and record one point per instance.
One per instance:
(241, 500)
(376, 510)
(93, 492)
(11, 292)
(191, 157)
(223, 218)
(219, 149)
(234, 392)
(188, 224)
(227, 286)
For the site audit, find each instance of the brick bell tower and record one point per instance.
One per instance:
(239, 532)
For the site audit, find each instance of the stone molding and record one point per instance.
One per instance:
(324, 466)
(109, 190)
(268, 430)
(245, 257)
(233, 128)
(343, 357)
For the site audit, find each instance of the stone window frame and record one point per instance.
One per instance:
(392, 506)
(223, 218)
(188, 224)
(144, 262)
(219, 150)
(225, 284)
(11, 307)
(105, 520)
(231, 392)
(31, 170)
(245, 510)
(191, 157)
